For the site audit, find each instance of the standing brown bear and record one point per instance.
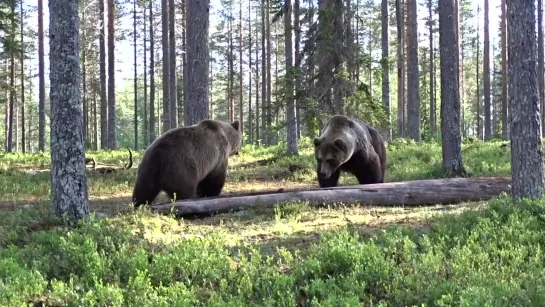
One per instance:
(349, 145)
(187, 162)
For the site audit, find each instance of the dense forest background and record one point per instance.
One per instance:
(377, 60)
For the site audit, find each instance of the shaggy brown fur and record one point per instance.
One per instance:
(349, 145)
(187, 162)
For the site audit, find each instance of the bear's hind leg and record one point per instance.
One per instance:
(213, 184)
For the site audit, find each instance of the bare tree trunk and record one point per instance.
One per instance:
(241, 79)
(184, 60)
(196, 106)
(135, 80)
(83, 50)
(477, 75)
(433, 121)
(400, 69)
(526, 143)
(103, 91)
(23, 132)
(41, 78)
(151, 76)
(265, 66)
(250, 124)
(173, 90)
(504, 109)
(413, 88)
(112, 130)
(68, 174)
(450, 101)
(540, 60)
(166, 68)
(145, 132)
(297, 66)
(9, 147)
(486, 76)
(386, 66)
(290, 106)
(257, 108)
(269, 80)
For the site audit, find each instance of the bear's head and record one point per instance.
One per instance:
(330, 154)
(235, 137)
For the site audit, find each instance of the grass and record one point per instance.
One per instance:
(474, 254)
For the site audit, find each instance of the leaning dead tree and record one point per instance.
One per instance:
(408, 193)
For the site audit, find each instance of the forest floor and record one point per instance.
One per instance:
(119, 248)
(24, 182)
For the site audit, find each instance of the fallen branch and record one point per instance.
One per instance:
(410, 193)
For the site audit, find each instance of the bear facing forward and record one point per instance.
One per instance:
(349, 145)
(187, 162)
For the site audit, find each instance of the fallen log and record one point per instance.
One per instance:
(409, 193)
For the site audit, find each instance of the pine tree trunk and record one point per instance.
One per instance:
(135, 80)
(250, 123)
(198, 58)
(540, 61)
(103, 90)
(23, 132)
(297, 66)
(165, 118)
(450, 101)
(413, 80)
(151, 76)
(112, 130)
(241, 79)
(290, 106)
(504, 109)
(386, 66)
(526, 143)
(9, 146)
(433, 112)
(478, 91)
(68, 174)
(41, 78)
(486, 76)
(400, 70)
(173, 90)
(257, 108)
(83, 49)
(145, 131)
(184, 57)
(265, 66)
(268, 109)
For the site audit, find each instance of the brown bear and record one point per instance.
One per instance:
(187, 162)
(349, 145)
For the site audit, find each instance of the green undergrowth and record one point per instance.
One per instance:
(485, 257)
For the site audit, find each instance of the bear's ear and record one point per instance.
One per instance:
(317, 141)
(339, 143)
(235, 125)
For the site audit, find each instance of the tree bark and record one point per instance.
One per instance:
(450, 99)
(413, 79)
(241, 74)
(540, 61)
(504, 109)
(151, 76)
(290, 106)
(400, 70)
(135, 80)
(486, 76)
(433, 112)
(103, 90)
(525, 125)
(386, 66)
(196, 106)
(166, 68)
(172, 65)
(68, 174)
(478, 91)
(145, 132)
(41, 78)
(264, 68)
(112, 135)
(408, 193)
(22, 68)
